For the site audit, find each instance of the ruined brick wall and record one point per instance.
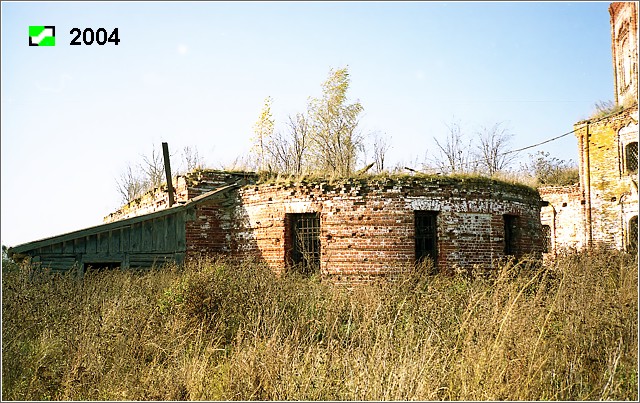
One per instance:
(186, 187)
(367, 226)
(624, 48)
(208, 228)
(608, 156)
(610, 186)
(564, 215)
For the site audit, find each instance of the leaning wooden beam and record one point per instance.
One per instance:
(167, 170)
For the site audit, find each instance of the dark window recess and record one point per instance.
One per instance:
(510, 234)
(304, 247)
(546, 238)
(631, 156)
(426, 236)
(633, 234)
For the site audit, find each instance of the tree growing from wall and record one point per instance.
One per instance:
(324, 139)
(381, 146)
(131, 184)
(488, 151)
(137, 179)
(493, 152)
(335, 139)
(263, 131)
(191, 159)
(287, 150)
(153, 168)
(454, 151)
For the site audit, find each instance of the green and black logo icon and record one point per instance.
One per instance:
(42, 35)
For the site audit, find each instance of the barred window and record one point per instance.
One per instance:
(303, 236)
(426, 235)
(546, 238)
(631, 156)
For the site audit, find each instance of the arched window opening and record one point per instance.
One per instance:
(631, 157)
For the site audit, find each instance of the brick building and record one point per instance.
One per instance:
(603, 208)
(358, 227)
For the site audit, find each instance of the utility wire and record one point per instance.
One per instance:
(515, 151)
(538, 144)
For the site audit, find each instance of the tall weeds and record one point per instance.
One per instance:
(216, 331)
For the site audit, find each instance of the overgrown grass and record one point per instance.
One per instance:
(216, 331)
(366, 179)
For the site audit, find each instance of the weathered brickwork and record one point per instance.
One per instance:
(367, 227)
(610, 188)
(600, 209)
(603, 208)
(186, 187)
(624, 47)
(564, 216)
(208, 229)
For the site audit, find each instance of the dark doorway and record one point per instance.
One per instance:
(510, 234)
(426, 236)
(303, 236)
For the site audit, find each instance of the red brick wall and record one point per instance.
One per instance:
(367, 226)
(205, 230)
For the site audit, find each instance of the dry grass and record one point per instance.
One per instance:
(216, 331)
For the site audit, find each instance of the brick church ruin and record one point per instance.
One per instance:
(602, 209)
(380, 225)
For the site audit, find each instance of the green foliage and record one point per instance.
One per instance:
(335, 140)
(547, 170)
(8, 264)
(213, 330)
(324, 139)
(263, 130)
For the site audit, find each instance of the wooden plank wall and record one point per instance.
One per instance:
(143, 244)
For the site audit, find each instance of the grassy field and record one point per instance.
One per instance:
(566, 330)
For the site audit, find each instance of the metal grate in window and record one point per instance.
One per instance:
(426, 235)
(631, 156)
(305, 242)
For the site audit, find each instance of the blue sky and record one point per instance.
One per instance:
(196, 74)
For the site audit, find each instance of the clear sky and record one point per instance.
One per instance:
(196, 74)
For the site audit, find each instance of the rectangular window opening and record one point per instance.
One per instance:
(426, 236)
(303, 236)
(510, 234)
